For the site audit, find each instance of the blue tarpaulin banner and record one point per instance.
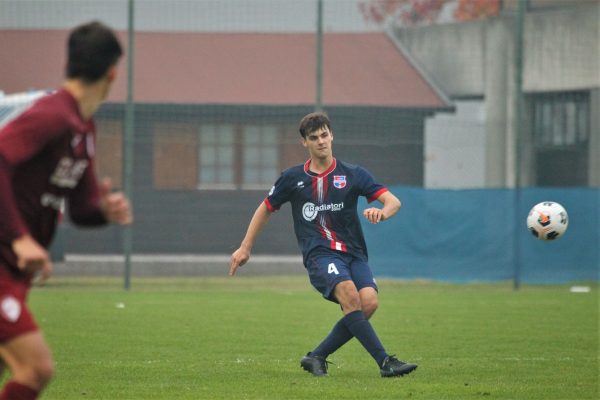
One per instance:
(480, 235)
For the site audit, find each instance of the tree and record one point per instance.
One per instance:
(423, 12)
(474, 9)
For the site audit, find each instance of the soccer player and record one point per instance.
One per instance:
(47, 163)
(323, 193)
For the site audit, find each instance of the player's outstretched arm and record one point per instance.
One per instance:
(391, 205)
(257, 223)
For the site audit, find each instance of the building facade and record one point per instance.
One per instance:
(560, 126)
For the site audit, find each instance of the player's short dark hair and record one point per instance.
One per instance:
(312, 122)
(92, 49)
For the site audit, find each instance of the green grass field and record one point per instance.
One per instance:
(243, 337)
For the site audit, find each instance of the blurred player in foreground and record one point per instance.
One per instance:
(47, 160)
(324, 193)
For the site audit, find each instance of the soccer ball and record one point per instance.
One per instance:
(547, 220)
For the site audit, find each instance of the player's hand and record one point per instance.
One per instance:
(238, 258)
(32, 257)
(114, 206)
(374, 215)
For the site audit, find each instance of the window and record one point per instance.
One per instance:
(216, 164)
(232, 157)
(561, 128)
(561, 119)
(260, 160)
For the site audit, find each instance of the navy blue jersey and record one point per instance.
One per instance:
(324, 205)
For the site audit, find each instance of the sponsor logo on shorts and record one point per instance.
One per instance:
(10, 309)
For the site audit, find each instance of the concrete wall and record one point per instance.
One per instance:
(561, 53)
(453, 54)
(562, 50)
(455, 148)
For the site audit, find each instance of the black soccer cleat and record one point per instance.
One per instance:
(393, 367)
(314, 364)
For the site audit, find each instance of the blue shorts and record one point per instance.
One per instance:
(328, 268)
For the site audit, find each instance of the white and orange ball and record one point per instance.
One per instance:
(547, 220)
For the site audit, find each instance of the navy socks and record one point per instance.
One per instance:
(338, 337)
(354, 324)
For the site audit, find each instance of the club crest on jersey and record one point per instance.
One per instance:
(339, 181)
(10, 309)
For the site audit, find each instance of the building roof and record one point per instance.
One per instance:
(362, 69)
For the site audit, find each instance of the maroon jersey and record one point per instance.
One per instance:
(46, 161)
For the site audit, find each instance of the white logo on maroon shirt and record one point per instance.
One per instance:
(10, 309)
(51, 200)
(75, 141)
(68, 172)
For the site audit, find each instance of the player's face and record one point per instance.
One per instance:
(319, 142)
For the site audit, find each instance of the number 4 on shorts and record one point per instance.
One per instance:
(331, 269)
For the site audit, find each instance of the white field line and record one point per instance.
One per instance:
(181, 258)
